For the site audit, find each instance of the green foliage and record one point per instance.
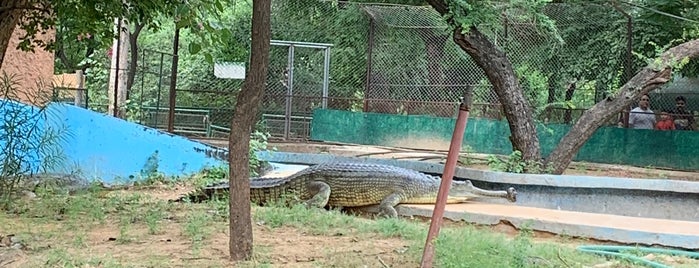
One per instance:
(656, 63)
(515, 164)
(487, 15)
(28, 145)
(258, 142)
(661, 23)
(197, 229)
(534, 83)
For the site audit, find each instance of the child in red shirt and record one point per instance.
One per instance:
(665, 122)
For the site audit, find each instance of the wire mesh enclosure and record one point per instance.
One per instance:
(398, 59)
(296, 88)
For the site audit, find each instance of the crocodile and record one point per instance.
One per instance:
(350, 184)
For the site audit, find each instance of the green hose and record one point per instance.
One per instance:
(615, 251)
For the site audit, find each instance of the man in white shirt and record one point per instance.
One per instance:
(642, 117)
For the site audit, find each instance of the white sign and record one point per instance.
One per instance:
(229, 70)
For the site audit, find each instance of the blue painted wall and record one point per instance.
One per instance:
(114, 150)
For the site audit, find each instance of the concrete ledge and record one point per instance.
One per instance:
(652, 198)
(592, 182)
(628, 230)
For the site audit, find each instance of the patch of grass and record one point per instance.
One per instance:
(79, 240)
(210, 175)
(462, 246)
(259, 258)
(153, 219)
(62, 258)
(196, 228)
(124, 227)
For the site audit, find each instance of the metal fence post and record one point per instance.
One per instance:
(326, 76)
(289, 93)
(447, 176)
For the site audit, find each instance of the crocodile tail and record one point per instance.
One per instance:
(195, 196)
(204, 193)
(207, 192)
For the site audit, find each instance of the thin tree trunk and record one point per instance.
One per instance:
(117, 77)
(9, 18)
(133, 63)
(247, 106)
(570, 91)
(648, 79)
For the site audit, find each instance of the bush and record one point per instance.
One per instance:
(28, 145)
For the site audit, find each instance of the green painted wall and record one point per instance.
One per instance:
(671, 149)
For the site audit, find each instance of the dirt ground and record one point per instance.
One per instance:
(99, 246)
(280, 246)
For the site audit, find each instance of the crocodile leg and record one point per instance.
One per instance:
(387, 206)
(320, 199)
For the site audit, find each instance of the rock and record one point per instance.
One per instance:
(15, 239)
(6, 241)
(28, 194)
(12, 258)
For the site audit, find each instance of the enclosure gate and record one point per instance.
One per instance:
(294, 89)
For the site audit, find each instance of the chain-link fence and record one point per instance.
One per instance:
(402, 60)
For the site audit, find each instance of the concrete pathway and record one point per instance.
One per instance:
(631, 230)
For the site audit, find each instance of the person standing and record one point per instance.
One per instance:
(642, 117)
(684, 120)
(665, 122)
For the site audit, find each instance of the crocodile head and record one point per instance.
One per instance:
(461, 191)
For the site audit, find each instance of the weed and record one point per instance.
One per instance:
(521, 247)
(259, 257)
(79, 240)
(29, 144)
(209, 175)
(258, 142)
(196, 229)
(124, 228)
(515, 164)
(152, 218)
(63, 258)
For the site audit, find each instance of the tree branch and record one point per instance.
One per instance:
(649, 78)
(23, 7)
(439, 5)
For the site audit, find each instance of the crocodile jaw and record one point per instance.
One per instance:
(433, 200)
(461, 192)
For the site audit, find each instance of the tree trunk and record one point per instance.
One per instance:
(133, 63)
(501, 75)
(648, 79)
(569, 96)
(246, 108)
(9, 17)
(117, 75)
